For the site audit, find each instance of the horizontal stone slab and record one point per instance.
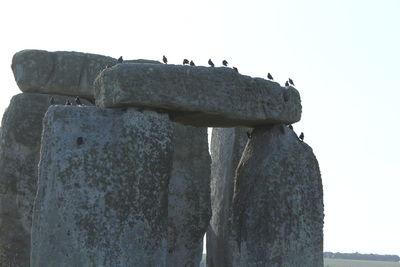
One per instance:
(61, 72)
(198, 96)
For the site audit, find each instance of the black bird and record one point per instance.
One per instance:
(248, 135)
(52, 101)
(120, 60)
(68, 103)
(164, 59)
(270, 76)
(78, 101)
(210, 63)
(301, 136)
(290, 127)
(225, 63)
(192, 63)
(286, 83)
(291, 81)
(185, 61)
(235, 69)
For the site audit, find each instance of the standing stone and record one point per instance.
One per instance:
(189, 208)
(103, 188)
(227, 145)
(277, 204)
(19, 156)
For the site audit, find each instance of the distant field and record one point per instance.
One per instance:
(344, 263)
(355, 263)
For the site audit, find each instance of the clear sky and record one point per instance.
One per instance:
(343, 56)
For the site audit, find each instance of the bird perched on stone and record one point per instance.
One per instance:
(210, 63)
(291, 81)
(164, 59)
(290, 127)
(185, 61)
(286, 83)
(235, 69)
(52, 101)
(68, 103)
(225, 63)
(120, 60)
(78, 101)
(248, 135)
(270, 76)
(192, 63)
(301, 136)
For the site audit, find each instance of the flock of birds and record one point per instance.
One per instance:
(67, 103)
(191, 63)
(289, 82)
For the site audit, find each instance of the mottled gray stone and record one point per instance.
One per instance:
(198, 96)
(19, 156)
(103, 188)
(61, 72)
(227, 145)
(189, 208)
(278, 202)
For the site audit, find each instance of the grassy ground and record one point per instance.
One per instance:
(356, 263)
(344, 263)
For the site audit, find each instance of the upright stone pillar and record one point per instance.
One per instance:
(189, 207)
(103, 188)
(227, 145)
(19, 157)
(278, 203)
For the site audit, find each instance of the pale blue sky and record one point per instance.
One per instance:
(343, 56)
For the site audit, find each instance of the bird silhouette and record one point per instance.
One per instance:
(301, 136)
(78, 101)
(291, 81)
(120, 60)
(192, 63)
(164, 59)
(248, 135)
(68, 103)
(52, 101)
(235, 69)
(270, 76)
(286, 83)
(185, 61)
(225, 63)
(210, 63)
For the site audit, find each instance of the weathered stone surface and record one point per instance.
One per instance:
(198, 96)
(61, 72)
(103, 188)
(227, 145)
(278, 203)
(19, 156)
(189, 208)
